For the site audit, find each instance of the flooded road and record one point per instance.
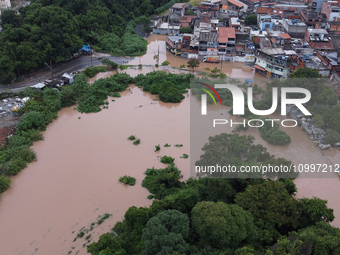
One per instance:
(75, 179)
(233, 69)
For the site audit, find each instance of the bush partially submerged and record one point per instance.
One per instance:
(92, 71)
(167, 159)
(4, 183)
(131, 137)
(136, 142)
(128, 180)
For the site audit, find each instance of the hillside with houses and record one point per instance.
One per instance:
(278, 37)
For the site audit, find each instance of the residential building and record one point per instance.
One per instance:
(226, 40)
(318, 40)
(208, 44)
(205, 17)
(264, 22)
(313, 62)
(155, 21)
(317, 4)
(273, 63)
(301, 46)
(166, 28)
(312, 18)
(5, 5)
(332, 10)
(265, 43)
(331, 59)
(213, 5)
(333, 27)
(235, 22)
(174, 44)
(175, 13)
(187, 21)
(237, 6)
(189, 45)
(295, 28)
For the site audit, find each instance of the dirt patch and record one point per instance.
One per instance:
(7, 127)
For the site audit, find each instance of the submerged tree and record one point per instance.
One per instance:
(193, 63)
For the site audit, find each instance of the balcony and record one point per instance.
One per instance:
(212, 45)
(274, 62)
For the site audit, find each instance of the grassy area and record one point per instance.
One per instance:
(194, 2)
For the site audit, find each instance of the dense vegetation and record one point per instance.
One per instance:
(271, 133)
(222, 216)
(168, 86)
(55, 29)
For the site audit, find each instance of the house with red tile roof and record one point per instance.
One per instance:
(187, 20)
(226, 40)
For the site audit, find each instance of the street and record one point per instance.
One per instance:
(72, 65)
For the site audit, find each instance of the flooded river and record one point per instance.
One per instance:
(79, 163)
(75, 179)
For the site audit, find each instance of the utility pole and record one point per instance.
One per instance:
(50, 67)
(91, 57)
(158, 56)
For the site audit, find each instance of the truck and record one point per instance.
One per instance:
(212, 59)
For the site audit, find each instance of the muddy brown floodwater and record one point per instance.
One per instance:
(83, 155)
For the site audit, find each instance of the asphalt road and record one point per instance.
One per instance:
(72, 65)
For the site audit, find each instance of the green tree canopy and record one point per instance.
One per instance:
(193, 63)
(221, 225)
(251, 19)
(165, 233)
(274, 210)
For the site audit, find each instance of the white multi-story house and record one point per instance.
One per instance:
(5, 5)
(273, 63)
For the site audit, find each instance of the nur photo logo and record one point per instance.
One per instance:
(239, 103)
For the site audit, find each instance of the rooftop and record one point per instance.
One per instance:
(273, 51)
(332, 57)
(302, 6)
(335, 39)
(289, 52)
(39, 85)
(265, 43)
(235, 2)
(285, 36)
(205, 19)
(187, 18)
(317, 31)
(235, 21)
(208, 37)
(178, 6)
(313, 62)
(225, 33)
(297, 23)
(323, 45)
(312, 14)
(166, 25)
(174, 38)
